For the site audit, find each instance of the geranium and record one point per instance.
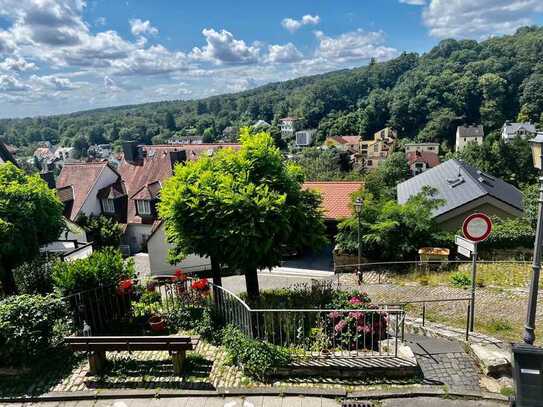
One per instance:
(355, 300)
(201, 285)
(124, 286)
(179, 275)
(334, 315)
(357, 315)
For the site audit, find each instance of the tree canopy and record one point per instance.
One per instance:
(424, 97)
(241, 208)
(30, 216)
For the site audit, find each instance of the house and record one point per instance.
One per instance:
(469, 134)
(422, 147)
(44, 154)
(464, 190)
(522, 130)
(6, 155)
(374, 152)
(72, 243)
(422, 156)
(288, 126)
(345, 143)
(261, 124)
(129, 193)
(187, 140)
(420, 161)
(64, 153)
(79, 184)
(336, 197)
(304, 138)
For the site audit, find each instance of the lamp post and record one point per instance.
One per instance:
(358, 208)
(529, 327)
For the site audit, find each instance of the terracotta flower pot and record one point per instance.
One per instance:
(157, 324)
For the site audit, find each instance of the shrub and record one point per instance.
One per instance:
(105, 267)
(34, 277)
(102, 231)
(256, 358)
(202, 320)
(460, 280)
(28, 327)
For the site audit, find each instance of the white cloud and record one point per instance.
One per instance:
(9, 83)
(478, 18)
(100, 21)
(356, 45)
(414, 2)
(53, 82)
(139, 27)
(16, 64)
(283, 53)
(293, 25)
(223, 48)
(154, 60)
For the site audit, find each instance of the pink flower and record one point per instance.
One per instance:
(334, 315)
(340, 326)
(355, 300)
(357, 315)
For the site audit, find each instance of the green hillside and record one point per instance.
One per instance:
(423, 96)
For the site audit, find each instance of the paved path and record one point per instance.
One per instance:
(260, 402)
(445, 362)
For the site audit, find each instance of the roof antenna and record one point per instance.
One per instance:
(459, 173)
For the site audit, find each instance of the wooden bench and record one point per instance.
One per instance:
(97, 346)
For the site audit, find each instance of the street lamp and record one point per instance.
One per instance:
(529, 327)
(358, 209)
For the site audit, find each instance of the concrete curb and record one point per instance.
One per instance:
(427, 391)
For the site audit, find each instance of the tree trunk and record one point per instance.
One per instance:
(251, 282)
(216, 272)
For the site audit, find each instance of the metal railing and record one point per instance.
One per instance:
(357, 332)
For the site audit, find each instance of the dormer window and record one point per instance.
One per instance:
(108, 205)
(144, 207)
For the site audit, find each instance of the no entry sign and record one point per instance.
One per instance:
(477, 227)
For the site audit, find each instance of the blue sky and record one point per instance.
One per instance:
(60, 56)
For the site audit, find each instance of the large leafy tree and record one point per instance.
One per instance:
(30, 216)
(241, 208)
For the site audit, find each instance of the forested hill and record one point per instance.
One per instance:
(423, 96)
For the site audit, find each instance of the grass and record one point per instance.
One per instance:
(503, 275)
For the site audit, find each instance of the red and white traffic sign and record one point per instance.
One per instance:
(477, 227)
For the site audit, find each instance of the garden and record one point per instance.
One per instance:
(100, 295)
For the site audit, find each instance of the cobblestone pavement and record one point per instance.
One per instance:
(445, 362)
(260, 402)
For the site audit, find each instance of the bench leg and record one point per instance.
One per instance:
(97, 362)
(178, 358)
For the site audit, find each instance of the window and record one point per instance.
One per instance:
(143, 207)
(108, 206)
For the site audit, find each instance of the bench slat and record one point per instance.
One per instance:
(124, 339)
(104, 346)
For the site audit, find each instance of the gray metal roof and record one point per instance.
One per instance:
(458, 183)
(513, 128)
(471, 131)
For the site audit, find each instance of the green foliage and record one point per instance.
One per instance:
(102, 231)
(457, 82)
(256, 358)
(241, 208)
(28, 327)
(390, 231)
(30, 216)
(327, 164)
(510, 233)
(102, 268)
(460, 280)
(381, 182)
(34, 277)
(510, 161)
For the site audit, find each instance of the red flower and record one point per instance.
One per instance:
(125, 284)
(201, 284)
(179, 275)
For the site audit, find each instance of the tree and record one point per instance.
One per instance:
(169, 121)
(241, 208)
(30, 216)
(390, 231)
(382, 181)
(102, 231)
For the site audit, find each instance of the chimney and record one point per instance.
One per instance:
(177, 157)
(49, 178)
(130, 150)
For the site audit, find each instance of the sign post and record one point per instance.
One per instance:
(476, 228)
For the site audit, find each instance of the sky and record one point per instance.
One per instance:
(59, 56)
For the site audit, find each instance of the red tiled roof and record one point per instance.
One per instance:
(429, 157)
(346, 139)
(336, 196)
(82, 177)
(140, 176)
